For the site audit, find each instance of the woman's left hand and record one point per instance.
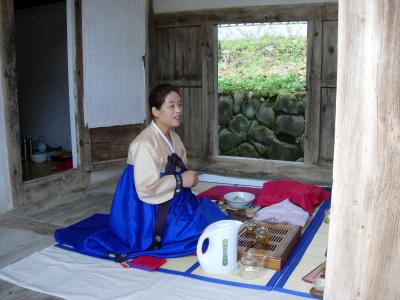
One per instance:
(189, 179)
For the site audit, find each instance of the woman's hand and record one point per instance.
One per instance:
(189, 179)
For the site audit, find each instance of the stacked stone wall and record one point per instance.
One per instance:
(272, 128)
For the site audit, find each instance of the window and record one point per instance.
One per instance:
(262, 90)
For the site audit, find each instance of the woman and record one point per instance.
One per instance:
(154, 211)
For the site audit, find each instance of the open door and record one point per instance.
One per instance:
(113, 78)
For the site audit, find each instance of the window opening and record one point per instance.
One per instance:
(262, 90)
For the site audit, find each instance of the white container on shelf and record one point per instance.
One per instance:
(39, 157)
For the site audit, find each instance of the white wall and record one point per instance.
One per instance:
(113, 38)
(42, 74)
(162, 6)
(5, 182)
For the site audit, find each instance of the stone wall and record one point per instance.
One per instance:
(272, 128)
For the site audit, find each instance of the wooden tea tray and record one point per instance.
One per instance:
(283, 238)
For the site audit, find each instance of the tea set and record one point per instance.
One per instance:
(221, 255)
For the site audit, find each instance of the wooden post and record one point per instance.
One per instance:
(9, 85)
(364, 237)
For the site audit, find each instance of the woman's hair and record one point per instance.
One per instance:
(158, 94)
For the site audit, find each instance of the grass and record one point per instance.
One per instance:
(264, 66)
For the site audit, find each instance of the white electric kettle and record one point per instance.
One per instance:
(221, 254)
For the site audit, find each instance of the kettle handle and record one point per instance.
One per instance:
(199, 251)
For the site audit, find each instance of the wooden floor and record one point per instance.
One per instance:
(31, 170)
(30, 229)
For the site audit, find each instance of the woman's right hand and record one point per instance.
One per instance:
(189, 179)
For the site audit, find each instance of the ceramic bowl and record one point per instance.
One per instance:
(239, 200)
(39, 157)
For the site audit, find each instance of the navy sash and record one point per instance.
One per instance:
(162, 213)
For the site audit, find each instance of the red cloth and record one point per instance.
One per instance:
(146, 263)
(217, 192)
(304, 195)
(64, 165)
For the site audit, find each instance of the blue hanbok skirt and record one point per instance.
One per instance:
(128, 230)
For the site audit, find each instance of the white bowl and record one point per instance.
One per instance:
(239, 200)
(39, 157)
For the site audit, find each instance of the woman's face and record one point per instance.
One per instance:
(169, 114)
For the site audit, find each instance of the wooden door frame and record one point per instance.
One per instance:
(315, 171)
(41, 188)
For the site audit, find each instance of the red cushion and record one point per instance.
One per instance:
(304, 195)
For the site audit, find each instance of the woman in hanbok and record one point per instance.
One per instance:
(154, 211)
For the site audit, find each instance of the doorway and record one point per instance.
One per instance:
(43, 87)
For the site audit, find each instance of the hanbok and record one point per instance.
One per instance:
(128, 230)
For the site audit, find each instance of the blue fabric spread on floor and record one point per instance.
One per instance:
(128, 230)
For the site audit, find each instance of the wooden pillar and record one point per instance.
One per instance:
(364, 237)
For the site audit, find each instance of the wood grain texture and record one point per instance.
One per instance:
(9, 83)
(179, 58)
(263, 169)
(327, 129)
(192, 127)
(82, 137)
(178, 54)
(210, 88)
(109, 143)
(320, 110)
(51, 187)
(314, 58)
(329, 50)
(266, 13)
(364, 237)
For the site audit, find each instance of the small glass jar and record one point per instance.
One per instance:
(262, 235)
(248, 266)
(250, 225)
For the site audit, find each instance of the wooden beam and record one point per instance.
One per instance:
(52, 188)
(251, 14)
(364, 237)
(111, 143)
(314, 58)
(210, 88)
(182, 82)
(263, 169)
(78, 88)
